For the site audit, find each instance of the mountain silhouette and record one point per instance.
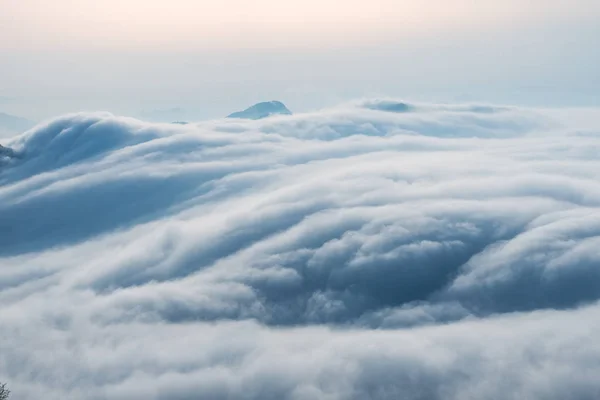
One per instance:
(262, 110)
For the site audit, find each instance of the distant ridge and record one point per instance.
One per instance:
(262, 110)
(13, 124)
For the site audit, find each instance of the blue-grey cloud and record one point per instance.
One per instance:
(379, 249)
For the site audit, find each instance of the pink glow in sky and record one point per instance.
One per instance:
(262, 23)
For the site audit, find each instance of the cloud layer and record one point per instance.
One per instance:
(378, 250)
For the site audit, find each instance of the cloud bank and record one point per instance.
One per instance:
(377, 250)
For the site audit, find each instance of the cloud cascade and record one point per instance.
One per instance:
(378, 250)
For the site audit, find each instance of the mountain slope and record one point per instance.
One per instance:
(262, 110)
(12, 124)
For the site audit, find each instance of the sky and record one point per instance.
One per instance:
(209, 58)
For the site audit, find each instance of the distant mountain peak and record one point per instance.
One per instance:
(13, 124)
(262, 110)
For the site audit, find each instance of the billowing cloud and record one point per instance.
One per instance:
(378, 250)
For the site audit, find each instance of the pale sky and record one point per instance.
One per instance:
(208, 57)
(233, 24)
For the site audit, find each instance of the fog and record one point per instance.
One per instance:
(376, 249)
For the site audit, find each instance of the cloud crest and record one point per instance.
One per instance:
(380, 249)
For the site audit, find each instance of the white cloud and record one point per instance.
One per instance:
(439, 252)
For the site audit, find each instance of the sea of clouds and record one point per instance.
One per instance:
(377, 250)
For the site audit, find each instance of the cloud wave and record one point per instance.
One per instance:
(377, 250)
